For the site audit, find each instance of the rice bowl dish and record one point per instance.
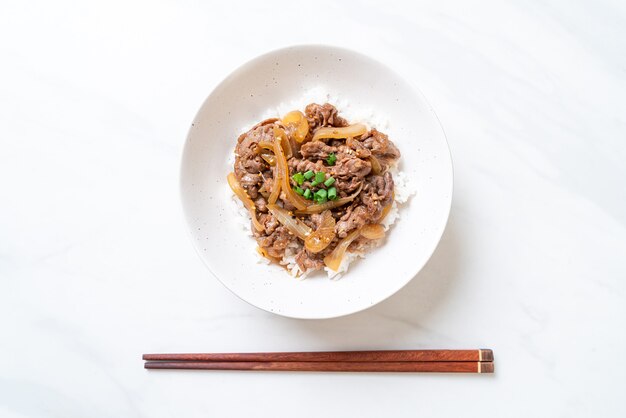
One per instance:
(341, 189)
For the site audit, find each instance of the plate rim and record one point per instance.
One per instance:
(448, 201)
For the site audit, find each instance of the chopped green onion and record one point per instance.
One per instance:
(329, 182)
(309, 174)
(331, 158)
(298, 190)
(320, 196)
(332, 193)
(298, 178)
(307, 194)
(320, 176)
(314, 183)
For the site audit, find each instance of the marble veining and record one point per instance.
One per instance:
(97, 268)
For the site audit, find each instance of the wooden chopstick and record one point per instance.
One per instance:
(331, 366)
(334, 356)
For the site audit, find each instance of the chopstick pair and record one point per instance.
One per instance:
(432, 361)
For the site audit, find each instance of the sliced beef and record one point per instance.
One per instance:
(348, 171)
(349, 186)
(378, 189)
(269, 222)
(250, 182)
(323, 115)
(268, 182)
(381, 147)
(357, 146)
(376, 194)
(297, 165)
(246, 149)
(317, 150)
(261, 204)
(341, 211)
(354, 218)
(275, 242)
(248, 163)
(348, 166)
(309, 261)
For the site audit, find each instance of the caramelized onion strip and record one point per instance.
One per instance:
(297, 124)
(323, 235)
(275, 188)
(294, 225)
(283, 172)
(284, 140)
(350, 131)
(376, 167)
(333, 260)
(245, 199)
(373, 231)
(269, 158)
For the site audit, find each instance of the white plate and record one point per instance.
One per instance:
(249, 94)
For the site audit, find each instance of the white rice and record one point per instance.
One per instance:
(403, 187)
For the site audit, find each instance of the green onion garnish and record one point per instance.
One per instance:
(329, 182)
(320, 176)
(307, 194)
(320, 196)
(298, 178)
(315, 183)
(298, 190)
(331, 158)
(332, 193)
(309, 174)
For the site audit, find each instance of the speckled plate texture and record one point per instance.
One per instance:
(272, 81)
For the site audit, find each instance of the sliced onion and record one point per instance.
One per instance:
(267, 255)
(247, 202)
(298, 124)
(269, 158)
(376, 167)
(275, 187)
(293, 225)
(284, 139)
(283, 171)
(350, 131)
(373, 231)
(331, 204)
(333, 260)
(265, 145)
(323, 235)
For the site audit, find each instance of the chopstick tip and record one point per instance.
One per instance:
(486, 368)
(485, 354)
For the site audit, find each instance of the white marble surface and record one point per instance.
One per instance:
(96, 266)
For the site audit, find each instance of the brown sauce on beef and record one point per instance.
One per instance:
(351, 170)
